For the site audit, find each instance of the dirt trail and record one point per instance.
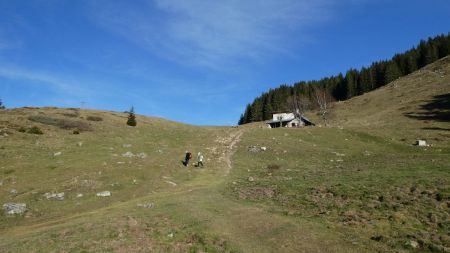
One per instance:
(229, 143)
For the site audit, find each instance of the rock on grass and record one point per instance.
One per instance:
(14, 208)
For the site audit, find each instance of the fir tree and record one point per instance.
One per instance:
(131, 117)
(241, 120)
(248, 114)
(1, 105)
(352, 83)
(392, 72)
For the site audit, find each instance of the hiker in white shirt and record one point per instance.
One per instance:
(199, 160)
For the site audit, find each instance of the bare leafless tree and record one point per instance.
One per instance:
(324, 102)
(298, 104)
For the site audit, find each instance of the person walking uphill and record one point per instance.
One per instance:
(199, 160)
(187, 157)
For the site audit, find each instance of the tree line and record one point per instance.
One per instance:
(354, 83)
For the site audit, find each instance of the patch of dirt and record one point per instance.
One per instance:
(226, 149)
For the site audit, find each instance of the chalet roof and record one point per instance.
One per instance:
(303, 118)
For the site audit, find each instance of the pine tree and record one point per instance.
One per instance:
(241, 120)
(248, 114)
(351, 77)
(392, 72)
(267, 110)
(131, 118)
(1, 105)
(256, 110)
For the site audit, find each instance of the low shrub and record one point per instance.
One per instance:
(439, 196)
(35, 130)
(273, 167)
(22, 130)
(8, 171)
(61, 123)
(94, 118)
(76, 131)
(44, 120)
(70, 115)
(72, 124)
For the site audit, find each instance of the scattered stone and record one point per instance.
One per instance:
(126, 145)
(79, 195)
(120, 162)
(421, 143)
(414, 244)
(170, 182)
(251, 179)
(170, 235)
(255, 149)
(141, 155)
(1, 183)
(56, 196)
(134, 181)
(57, 153)
(104, 194)
(146, 205)
(13, 191)
(80, 144)
(14, 208)
(128, 154)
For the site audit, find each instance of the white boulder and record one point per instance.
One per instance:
(56, 196)
(104, 194)
(421, 143)
(14, 208)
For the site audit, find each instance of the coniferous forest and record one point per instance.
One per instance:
(353, 83)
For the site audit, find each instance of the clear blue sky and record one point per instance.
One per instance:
(194, 61)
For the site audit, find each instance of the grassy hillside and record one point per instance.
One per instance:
(357, 185)
(414, 106)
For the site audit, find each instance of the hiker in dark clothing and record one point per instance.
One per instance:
(187, 157)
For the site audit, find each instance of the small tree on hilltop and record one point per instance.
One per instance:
(131, 117)
(1, 105)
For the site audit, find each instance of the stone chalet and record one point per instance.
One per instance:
(288, 120)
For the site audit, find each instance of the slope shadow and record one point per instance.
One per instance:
(437, 109)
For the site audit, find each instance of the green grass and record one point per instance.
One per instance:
(355, 186)
(354, 182)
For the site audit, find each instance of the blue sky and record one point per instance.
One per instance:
(198, 62)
